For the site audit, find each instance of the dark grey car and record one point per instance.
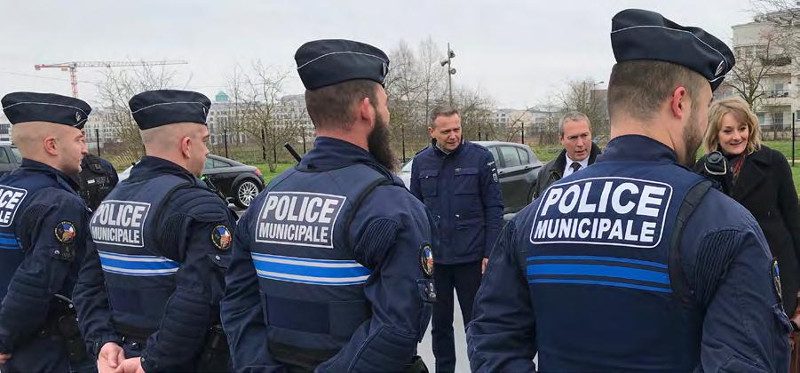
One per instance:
(238, 182)
(10, 158)
(517, 168)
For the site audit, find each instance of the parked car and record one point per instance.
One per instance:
(10, 158)
(517, 168)
(237, 181)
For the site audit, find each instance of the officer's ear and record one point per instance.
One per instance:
(186, 146)
(50, 145)
(366, 112)
(680, 103)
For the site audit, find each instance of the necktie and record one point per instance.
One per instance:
(575, 166)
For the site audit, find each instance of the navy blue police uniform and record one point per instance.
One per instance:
(633, 264)
(154, 282)
(331, 265)
(43, 234)
(462, 194)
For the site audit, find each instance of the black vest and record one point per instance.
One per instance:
(139, 279)
(311, 284)
(598, 256)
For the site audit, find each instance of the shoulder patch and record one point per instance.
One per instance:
(426, 260)
(221, 237)
(65, 232)
(776, 279)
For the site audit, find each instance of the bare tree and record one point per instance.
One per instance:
(114, 93)
(754, 65)
(476, 113)
(259, 110)
(516, 129)
(404, 88)
(581, 96)
(432, 74)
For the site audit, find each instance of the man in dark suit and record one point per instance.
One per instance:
(579, 151)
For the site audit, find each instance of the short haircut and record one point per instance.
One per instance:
(741, 111)
(639, 88)
(332, 106)
(442, 111)
(572, 116)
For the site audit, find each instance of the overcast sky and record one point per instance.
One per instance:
(519, 52)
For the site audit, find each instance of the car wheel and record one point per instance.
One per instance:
(244, 193)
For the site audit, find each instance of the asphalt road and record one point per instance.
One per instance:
(425, 348)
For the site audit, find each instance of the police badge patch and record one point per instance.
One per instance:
(221, 237)
(65, 232)
(776, 279)
(426, 260)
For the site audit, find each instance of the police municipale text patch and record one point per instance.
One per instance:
(426, 259)
(614, 211)
(299, 218)
(65, 232)
(221, 237)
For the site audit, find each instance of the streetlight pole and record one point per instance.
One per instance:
(450, 71)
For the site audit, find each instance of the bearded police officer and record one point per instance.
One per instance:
(150, 292)
(43, 235)
(633, 264)
(331, 266)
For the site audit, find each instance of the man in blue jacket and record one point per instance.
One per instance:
(634, 264)
(331, 264)
(458, 183)
(43, 235)
(148, 296)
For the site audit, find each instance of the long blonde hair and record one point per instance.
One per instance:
(741, 111)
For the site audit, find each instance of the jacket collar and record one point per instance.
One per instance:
(40, 167)
(560, 162)
(150, 165)
(330, 153)
(440, 153)
(637, 148)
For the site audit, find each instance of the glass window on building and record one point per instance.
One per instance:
(777, 119)
(761, 118)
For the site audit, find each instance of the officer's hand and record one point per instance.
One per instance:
(4, 358)
(132, 365)
(109, 358)
(484, 263)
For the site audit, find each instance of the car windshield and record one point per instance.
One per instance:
(407, 167)
(16, 153)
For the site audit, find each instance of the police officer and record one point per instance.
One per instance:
(96, 179)
(331, 269)
(43, 234)
(457, 180)
(634, 264)
(162, 243)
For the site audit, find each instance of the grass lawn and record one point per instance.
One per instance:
(269, 175)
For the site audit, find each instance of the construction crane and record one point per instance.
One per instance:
(72, 67)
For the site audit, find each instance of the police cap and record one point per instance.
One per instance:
(321, 63)
(644, 35)
(152, 109)
(20, 107)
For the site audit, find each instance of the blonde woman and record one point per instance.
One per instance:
(760, 179)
